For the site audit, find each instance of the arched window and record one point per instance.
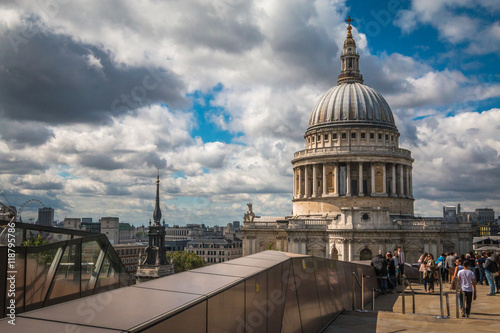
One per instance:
(335, 254)
(365, 254)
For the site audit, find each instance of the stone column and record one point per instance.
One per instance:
(348, 180)
(300, 182)
(372, 166)
(294, 182)
(410, 171)
(335, 181)
(384, 179)
(314, 181)
(408, 182)
(325, 187)
(393, 182)
(351, 254)
(401, 181)
(360, 183)
(306, 182)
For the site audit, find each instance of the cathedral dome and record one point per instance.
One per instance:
(351, 103)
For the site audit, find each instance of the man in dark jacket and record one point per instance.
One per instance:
(490, 268)
(380, 265)
(391, 270)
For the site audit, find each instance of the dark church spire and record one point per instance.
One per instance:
(157, 211)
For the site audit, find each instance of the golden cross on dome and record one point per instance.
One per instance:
(349, 27)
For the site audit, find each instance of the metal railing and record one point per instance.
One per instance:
(72, 264)
(404, 281)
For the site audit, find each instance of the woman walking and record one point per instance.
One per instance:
(422, 269)
(430, 271)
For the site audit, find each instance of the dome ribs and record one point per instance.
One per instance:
(351, 103)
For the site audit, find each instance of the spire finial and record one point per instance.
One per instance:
(157, 211)
(349, 27)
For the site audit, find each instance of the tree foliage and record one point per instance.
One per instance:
(39, 240)
(184, 261)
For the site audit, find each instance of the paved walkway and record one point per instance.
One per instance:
(388, 317)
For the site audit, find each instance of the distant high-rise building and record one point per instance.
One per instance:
(236, 225)
(88, 225)
(46, 216)
(72, 223)
(110, 227)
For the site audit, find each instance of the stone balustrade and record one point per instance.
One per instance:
(350, 150)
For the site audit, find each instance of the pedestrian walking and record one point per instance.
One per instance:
(497, 274)
(391, 271)
(430, 272)
(482, 276)
(401, 260)
(450, 266)
(440, 265)
(490, 268)
(380, 265)
(476, 268)
(422, 269)
(467, 289)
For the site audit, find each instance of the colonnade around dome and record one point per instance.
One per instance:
(344, 179)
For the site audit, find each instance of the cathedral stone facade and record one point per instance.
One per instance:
(353, 187)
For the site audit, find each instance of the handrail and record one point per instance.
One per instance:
(442, 316)
(362, 286)
(405, 280)
(359, 283)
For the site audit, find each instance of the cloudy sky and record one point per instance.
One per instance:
(95, 95)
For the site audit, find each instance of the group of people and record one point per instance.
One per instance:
(462, 273)
(389, 269)
(484, 266)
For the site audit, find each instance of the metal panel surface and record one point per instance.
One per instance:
(257, 306)
(344, 276)
(229, 270)
(26, 325)
(190, 282)
(139, 304)
(268, 256)
(333, 281)
(307, 292)
(253, 262)
(325, 292)
(291, 315)
(192, 320)
(276, 290)
(226, 311)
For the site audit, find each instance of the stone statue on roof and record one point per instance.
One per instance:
(249, 215)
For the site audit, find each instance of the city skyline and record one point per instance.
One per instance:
(93, 106)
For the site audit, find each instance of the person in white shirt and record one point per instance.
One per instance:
(401, 260)
(467, 290)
